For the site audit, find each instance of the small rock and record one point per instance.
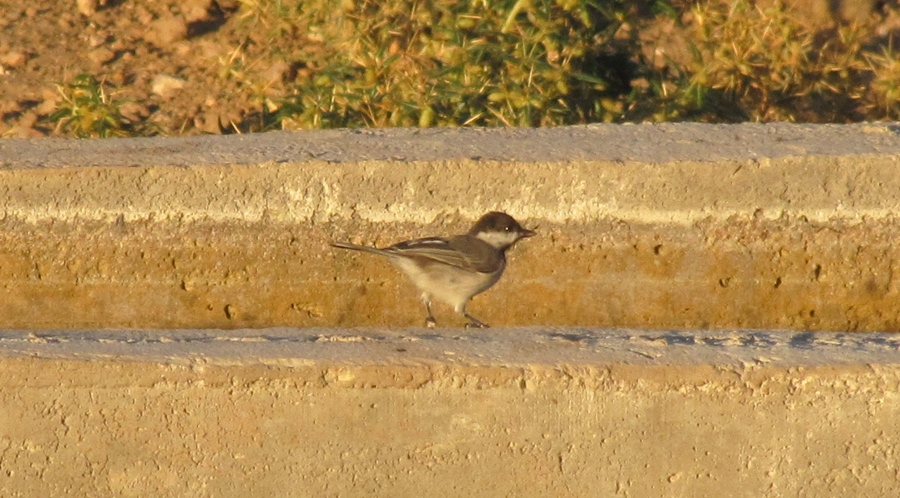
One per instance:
(13, 59)
(210, 49)
(142, 50)
(10, 107)
(47, 106)
(98, 39)
(143, 16)
(116, 78)
(275, 73)
(19, 131)
(167, 30)
(228, 5)
(164, 85)
(208, 123)
(196, 10)
(13, 15)
(87, 7)
(101, 55)
(182, 48)
(134, 111)
(65, 21)
(28, 119)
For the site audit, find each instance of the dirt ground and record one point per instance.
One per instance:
(169, 60)
(188, 67)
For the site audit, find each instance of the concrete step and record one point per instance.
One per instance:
(532, 411)
(173, 321)
(665, 226)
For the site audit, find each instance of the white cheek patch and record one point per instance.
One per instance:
(498, 239)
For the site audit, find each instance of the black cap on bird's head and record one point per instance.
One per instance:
(499, 230)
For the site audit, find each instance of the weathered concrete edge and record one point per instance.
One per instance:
(647, 173)
(419, 347)
(111, 427)
(648, 143)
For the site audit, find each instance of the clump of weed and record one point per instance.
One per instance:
(885, 85)
(764, 64)
(377, 63)
(409, 63)
(381, 63)
(86, 110)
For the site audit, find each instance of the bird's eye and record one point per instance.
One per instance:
(506, 228)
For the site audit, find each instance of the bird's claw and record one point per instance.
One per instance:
(474, 322)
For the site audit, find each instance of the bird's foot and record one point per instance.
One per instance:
(475, 323)
(430, 322)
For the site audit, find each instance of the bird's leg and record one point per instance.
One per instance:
(430, 322)
(474, 322)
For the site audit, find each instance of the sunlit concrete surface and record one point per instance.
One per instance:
(447, 412)
(706, 311)
(664, 226)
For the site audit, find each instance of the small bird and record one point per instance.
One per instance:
(455, 269)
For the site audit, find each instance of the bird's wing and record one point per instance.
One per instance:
(478, 257)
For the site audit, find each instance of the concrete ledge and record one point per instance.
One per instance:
(639, 173)
(663, 226)
(666, 226)
(507, 412)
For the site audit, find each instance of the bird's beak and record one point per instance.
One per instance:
(528, 233)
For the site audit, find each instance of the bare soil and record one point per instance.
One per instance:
(168, 60)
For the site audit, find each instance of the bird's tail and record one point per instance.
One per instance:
(354, 247)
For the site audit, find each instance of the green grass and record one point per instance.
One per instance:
(764, 64)
(86, 110)
(449, 63)
(383, 63)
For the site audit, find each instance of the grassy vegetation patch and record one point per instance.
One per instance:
(380, 63)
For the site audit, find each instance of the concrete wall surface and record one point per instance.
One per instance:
(173, 321)
(661, 226)
(448, 412)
